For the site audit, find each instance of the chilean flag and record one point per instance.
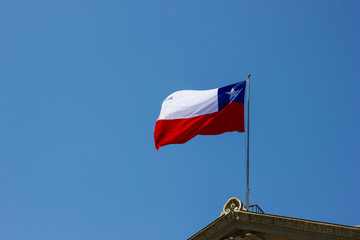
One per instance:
(185, 114)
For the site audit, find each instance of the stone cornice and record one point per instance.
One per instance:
(276, 225)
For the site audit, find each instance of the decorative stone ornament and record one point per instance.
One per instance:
(248, 236)
(232, 205)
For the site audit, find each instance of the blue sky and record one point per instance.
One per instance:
(81, 86)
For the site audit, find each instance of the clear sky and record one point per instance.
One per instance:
(81, 86)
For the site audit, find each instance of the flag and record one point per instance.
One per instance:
(185, 114)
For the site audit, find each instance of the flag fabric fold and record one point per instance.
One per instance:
(188, 113)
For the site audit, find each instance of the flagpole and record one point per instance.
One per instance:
(248, 133)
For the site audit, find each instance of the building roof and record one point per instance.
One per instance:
(237, 223)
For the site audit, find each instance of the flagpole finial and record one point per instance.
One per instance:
(249, 76)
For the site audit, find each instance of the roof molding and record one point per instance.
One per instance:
(235, 222)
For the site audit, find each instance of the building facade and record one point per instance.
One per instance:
(237, 223)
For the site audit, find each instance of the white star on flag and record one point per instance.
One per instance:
(232, 93)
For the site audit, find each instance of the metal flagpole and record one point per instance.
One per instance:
(248, 128)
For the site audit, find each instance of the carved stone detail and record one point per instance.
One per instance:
(234, 238)
(248, 236)
(251, 236)
(232, 205)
